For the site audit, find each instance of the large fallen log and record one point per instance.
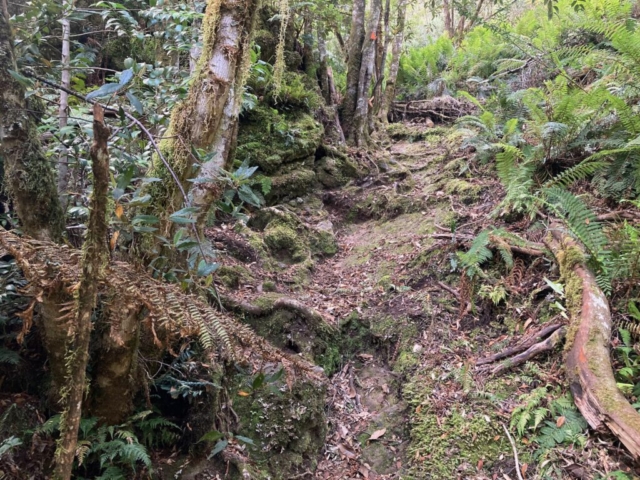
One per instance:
(439, 109)
(587, 361)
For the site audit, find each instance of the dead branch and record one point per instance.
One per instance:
(443, 109)
(526, 343)
(449, 289)
(587, 362)
(533, 249)
(534, 350)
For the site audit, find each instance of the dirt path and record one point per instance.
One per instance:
(405, 399)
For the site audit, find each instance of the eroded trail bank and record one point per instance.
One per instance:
(398, 329)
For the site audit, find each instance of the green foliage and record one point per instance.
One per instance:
(549, 421)
(117, 452)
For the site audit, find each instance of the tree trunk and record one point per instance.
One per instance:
(360, 132)
(206, 119)
(94, 261)
(356, 40)
(448, 18)
(308, 61)
(114, 362)
(323, 72)
(381, 57)
(396, 53)
(65, 81)
(29, 179)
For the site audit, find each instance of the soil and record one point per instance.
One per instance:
(405, 399)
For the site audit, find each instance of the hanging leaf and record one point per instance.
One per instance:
(211, 436)
(104, 90)
(244, 439)
(126, 76)
(205, 268)
(221, 445)
(135, 103)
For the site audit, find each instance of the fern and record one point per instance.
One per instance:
(584, 225)
(477, 254)
(573, 174)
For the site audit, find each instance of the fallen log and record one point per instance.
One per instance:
(587, 362)
(439, 109)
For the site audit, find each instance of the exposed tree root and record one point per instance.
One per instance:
(282, 303)
(587, 362)
(525, 344)
(534, 350)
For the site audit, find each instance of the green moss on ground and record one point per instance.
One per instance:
(232, 276)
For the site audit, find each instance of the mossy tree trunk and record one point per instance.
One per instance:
(354, 61)
(29, 178)
(323, 66)
(94, 261)
(115, 359)
(360, 132)
(381, 56)
(396, 53)
(207, 119)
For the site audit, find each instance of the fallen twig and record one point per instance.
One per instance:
(449, 289)
(515, 452)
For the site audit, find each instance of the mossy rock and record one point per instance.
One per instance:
(288, 240)
(234, 275)
(468, 192)
(270, 139)
(295, 183)
(285, 243)
(288, 426)
(333, 172)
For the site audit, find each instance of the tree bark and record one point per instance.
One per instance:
(448, 20)
(360, 132)
(354, 61)
(65, 81)
(94, 262)
(115, 360)
(29, 178)
(396, 53)
(381, 57)
(587, 362)
(206, 119)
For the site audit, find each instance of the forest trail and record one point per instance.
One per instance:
(404, 400)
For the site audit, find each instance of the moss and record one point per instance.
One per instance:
(293, 184)
(284, 242)
(268, 286)
(323, 243)
(452, 446)
(467, 192)
(269, 139)
(233, 276)
(334, 172)
(406, 362)
(288, 427)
